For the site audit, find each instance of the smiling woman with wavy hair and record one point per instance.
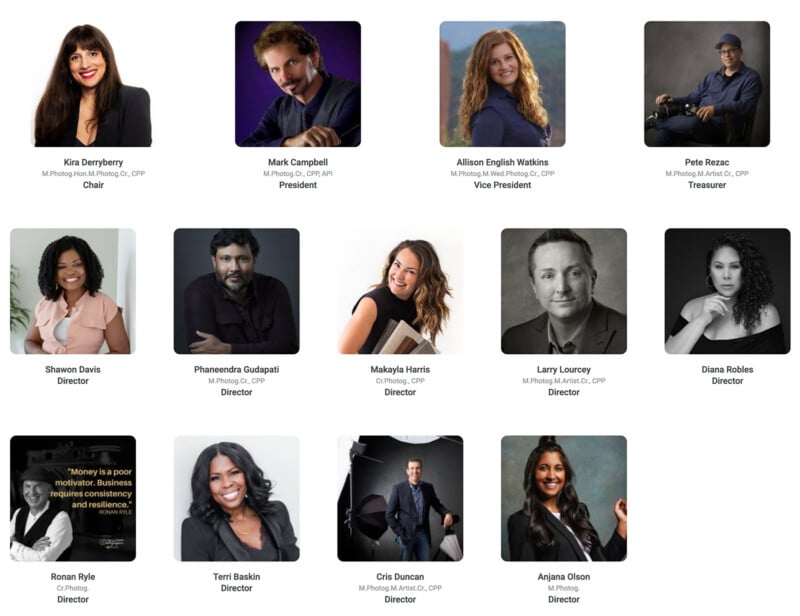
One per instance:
(501, 103)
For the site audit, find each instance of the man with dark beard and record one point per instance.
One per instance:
(234, 309)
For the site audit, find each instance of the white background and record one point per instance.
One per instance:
(712, 470)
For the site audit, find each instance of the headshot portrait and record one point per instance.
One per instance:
(298, 84)
(727, 291)
(237, 291)
(237, 498)
(564, 291)
(60, 510)
(401, 498)
(707, 83)
(502, 84)
(85, 102)
(550, 485)
(72, 291)
(401, 293)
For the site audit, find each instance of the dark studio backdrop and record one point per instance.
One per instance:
(442, 466)
(279, 257)
(99, 534)
(600, 464)
(340, 47)
(685, 269)
(678, 55)
(545, 43)
(609, 247)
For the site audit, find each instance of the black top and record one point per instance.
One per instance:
(263, 324)
(389, 307)
(202, 542)
(770, 341)
(127, 123)
(565, 546)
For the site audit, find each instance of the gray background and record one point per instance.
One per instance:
(518, 305)
(685, 253)
(678, 56)
(600, 464)
(279, 257)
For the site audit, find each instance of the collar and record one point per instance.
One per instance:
(415, 487)
(575, 340)
(316, 102)
(498, 91)
(36, 516)
(740, 71)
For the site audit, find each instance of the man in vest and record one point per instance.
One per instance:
(318, 109)
(39, 532)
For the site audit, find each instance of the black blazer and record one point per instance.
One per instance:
(127, 123)
(566, 547)
(606, 333)
(200, 541)
(401, 514)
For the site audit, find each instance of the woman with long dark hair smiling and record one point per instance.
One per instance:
(231, 515)
(85, 102)
(413, 288)
(553, 524)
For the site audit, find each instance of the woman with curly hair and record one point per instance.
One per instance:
(501, 104)
(737, 316)
(85, 103)
(74, 316)
(553, 524)
(413, 289)
(231, 516)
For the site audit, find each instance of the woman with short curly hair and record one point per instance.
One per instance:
(501, 103)
(736, 317)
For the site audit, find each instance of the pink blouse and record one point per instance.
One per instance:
(87, 325)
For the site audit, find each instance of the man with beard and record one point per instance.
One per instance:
(234, 309)
(318, 109)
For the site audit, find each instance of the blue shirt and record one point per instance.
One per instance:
(500, 124)
(269, 132)
(737, 94)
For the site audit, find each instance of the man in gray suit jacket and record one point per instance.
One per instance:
(560, 265)
(407, 513)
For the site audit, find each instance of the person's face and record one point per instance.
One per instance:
(36, 493)
(234, 265)
(503, 66)
(726, 271)
(70, 271)
(404, 274)
(291, 70)
(550, 474)
(414, 472)
(227, 483)
(562, 280)
(731, 56)
(88, 67)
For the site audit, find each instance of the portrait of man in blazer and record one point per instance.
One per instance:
(408, 513)
(563, 277)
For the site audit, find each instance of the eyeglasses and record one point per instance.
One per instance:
(728, 52)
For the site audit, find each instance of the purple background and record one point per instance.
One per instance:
(339, 44)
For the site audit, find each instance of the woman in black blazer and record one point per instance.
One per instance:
(85, 103)
(232, 517)
(553, 524)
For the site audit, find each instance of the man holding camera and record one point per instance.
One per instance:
(732, 90)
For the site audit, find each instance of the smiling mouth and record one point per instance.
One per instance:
(231, 496)
(88, 74)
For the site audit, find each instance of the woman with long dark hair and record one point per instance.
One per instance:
(231, 516)
(74, 316)
(501, 104)
(553, 524)
(85, 103)
(736, 316)
(413, 288)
